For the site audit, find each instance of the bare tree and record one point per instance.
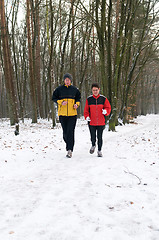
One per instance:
(8, 68)
(31, 66)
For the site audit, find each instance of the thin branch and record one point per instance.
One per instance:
(134, 176)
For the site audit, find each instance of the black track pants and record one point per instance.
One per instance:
(99, 130)
(68, 125)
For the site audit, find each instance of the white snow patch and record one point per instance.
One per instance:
(46, 196)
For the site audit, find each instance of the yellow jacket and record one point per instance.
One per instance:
(66, 93)
(68, 109)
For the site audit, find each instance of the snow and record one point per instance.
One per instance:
(46, 196)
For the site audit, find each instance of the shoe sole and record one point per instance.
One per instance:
(91, 152)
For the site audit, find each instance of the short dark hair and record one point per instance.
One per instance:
(95, 85)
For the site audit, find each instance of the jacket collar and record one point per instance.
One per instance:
(67, 86)
(96, 96)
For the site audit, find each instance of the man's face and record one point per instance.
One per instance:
(67, 81)
(95, 91)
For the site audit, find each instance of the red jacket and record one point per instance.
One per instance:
(93, 109)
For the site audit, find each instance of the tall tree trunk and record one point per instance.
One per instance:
(109, 55)
(31, 68)
(50, 68)
(38, 60)
(101, 30)
(72, 55)
(8, 68)
(117, 63)
(65, 42)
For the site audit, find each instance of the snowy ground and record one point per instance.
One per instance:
(46, 196)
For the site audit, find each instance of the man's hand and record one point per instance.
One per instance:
(75, 106)
(64, 103)
(88, 119)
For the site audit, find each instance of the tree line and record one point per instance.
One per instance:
(114, 43)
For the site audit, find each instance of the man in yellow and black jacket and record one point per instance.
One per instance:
(68, 99)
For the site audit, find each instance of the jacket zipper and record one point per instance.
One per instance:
(96, 112)
(67, 103)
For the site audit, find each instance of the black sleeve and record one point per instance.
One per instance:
(78, 96)
(55, 95)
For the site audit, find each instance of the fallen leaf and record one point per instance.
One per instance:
(150, 227)
(152, 163)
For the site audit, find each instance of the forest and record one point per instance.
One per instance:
(113, 43)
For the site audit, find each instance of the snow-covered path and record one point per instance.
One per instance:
(45, 196)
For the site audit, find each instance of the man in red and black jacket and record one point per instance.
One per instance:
(96, 108)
